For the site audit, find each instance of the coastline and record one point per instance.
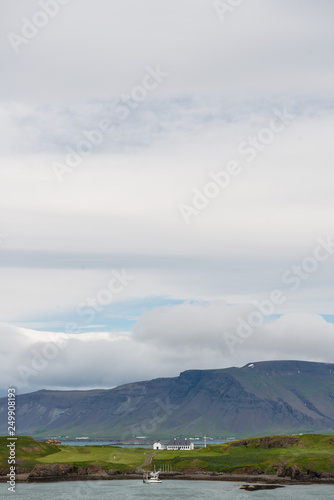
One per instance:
(73, 475)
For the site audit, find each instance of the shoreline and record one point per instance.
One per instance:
(172, 476)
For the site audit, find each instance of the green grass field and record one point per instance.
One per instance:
(310, 451)
(30, 453)
(109, 457)
(313, 451)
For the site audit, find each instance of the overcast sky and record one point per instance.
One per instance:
(166, 196)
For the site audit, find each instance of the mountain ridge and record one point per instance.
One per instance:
(267, 397)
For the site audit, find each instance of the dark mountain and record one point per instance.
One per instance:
(273, 397)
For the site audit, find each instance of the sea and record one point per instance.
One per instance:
(88, 442)
(167, 490)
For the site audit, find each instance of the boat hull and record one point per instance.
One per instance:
(151, 478)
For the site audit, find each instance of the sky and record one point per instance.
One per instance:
(166, 195)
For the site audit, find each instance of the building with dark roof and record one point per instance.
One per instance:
(180, 444)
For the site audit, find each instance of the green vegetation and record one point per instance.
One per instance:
(110, 457)
(315, 452)
(310, 452)
(28, 451)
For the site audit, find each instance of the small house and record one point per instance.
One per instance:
(158, 446)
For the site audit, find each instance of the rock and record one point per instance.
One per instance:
(248, 470)
(328, 474)
(51, 471)
(313, 473)
(293, 472)
(82, 471)
(281, 471)
(257, 487)
(19, 470)
(112, 472)
(95, 469)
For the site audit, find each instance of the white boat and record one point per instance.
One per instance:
(151, 478)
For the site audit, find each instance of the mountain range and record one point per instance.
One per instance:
(273, 397)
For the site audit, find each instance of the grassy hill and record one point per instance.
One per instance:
(260, 455)
(28, 452)
(282, 455)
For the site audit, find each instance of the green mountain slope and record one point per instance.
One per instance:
(275, 397)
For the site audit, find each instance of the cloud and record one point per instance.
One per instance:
(164, 342)
(119, 207)
(122, 210)
(204, 326)
(260, 46)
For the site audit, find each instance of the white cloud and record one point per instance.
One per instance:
(165, 342)
(103, 48)
(121, 206)
(121, 210)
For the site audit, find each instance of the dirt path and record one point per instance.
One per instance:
(147, 461)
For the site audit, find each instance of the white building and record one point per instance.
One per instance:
(180, 444)
(158, 446)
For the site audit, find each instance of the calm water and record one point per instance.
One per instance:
(96, 443)
(168, 490)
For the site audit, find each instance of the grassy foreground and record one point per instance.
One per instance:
(256, 455)
(30, 453)
(109, 457)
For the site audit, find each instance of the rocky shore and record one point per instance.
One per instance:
(64, 472)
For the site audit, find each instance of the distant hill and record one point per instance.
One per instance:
(274, 397)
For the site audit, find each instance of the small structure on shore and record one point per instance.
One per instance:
(180, 444)
(52, 441)
(158, 446)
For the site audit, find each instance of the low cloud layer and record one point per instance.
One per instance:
(163, 343)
